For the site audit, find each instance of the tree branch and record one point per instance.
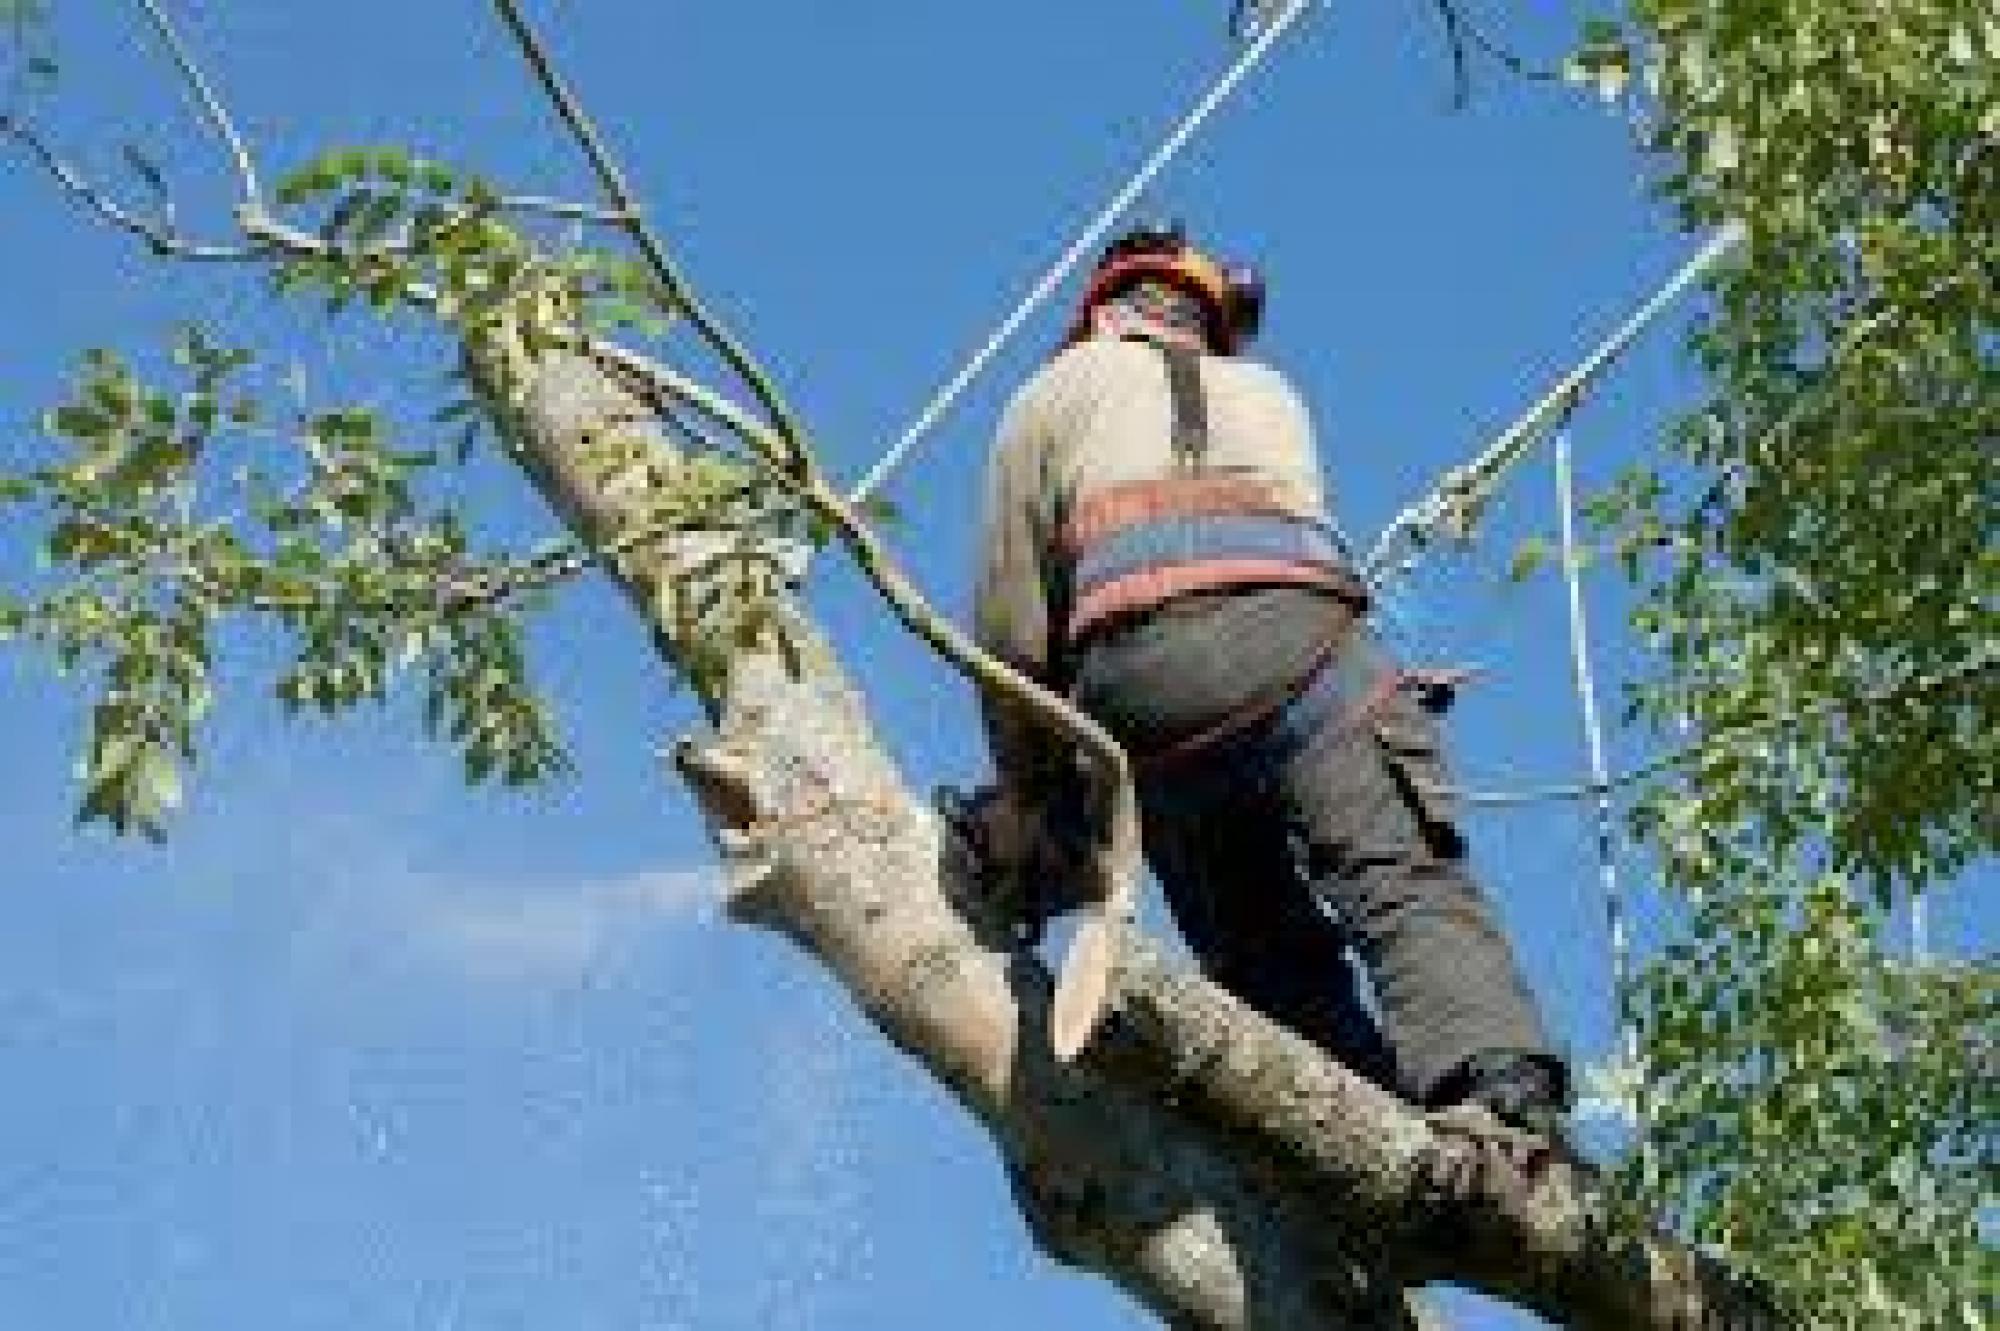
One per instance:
(565, 209)
(612, 178)
(158, 233)
(780, 446)
(1453, 23)
(1462, 36)
(784, 447)
(211, 105)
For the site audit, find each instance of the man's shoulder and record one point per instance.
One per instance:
(1255, 375)
(1112, 364)
(1099, 357)
(1075, 374)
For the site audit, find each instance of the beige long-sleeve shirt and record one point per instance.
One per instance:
(1098, 415)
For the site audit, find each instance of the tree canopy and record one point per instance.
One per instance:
(1820, 571)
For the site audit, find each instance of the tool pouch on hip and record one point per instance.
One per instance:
(1413, 747)
(1400, 714)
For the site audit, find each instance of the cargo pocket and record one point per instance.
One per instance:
(1413, 747)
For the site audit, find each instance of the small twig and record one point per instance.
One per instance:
(676, 285)
(566, 209)
(1696, 752)
(158, 233)
(217, 114)
(557, 566)
(1455, 41)
(403, 242)
(1512, 62)
(1463, 35)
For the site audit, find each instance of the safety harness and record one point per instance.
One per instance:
(1133, 548)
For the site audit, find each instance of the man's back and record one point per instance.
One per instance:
(1100, 414)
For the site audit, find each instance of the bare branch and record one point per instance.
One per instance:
(565, 209)
(1463, 35)
(1455, 40)
(158, 233)
(1512, 61)
(216, 113)
(612, 178)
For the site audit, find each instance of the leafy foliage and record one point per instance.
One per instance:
(166, 513)
(406, 231)
(1824, 1112)
(1826, 558)
(164, 517)
(397, 223)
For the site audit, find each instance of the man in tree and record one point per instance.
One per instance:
(1156, 546)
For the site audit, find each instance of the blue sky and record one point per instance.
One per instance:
(359, 1048)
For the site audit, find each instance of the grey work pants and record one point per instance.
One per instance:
(1281, 880)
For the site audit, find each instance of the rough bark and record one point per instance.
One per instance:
(1219, 1169)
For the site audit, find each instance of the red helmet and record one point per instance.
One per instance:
(1231, 297)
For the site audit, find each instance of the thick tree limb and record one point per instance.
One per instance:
(783, 445)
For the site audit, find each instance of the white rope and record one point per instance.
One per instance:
(1605, 815)
(1091, 238)
(1453, 505)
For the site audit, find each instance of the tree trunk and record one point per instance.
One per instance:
(1220, 1169)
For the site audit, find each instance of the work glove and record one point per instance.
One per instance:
(1023, 858)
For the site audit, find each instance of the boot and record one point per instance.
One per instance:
(1526, 1091)
(1509, 1106)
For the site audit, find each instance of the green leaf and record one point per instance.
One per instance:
(157, 784)
(1530, 555)
(395, 164)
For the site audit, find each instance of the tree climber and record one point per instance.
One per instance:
(1156, 547)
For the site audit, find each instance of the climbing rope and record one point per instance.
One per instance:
(1605, 817)
(1454, 505)
(1691, 753)
(1093, 235)
(1553, 412)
